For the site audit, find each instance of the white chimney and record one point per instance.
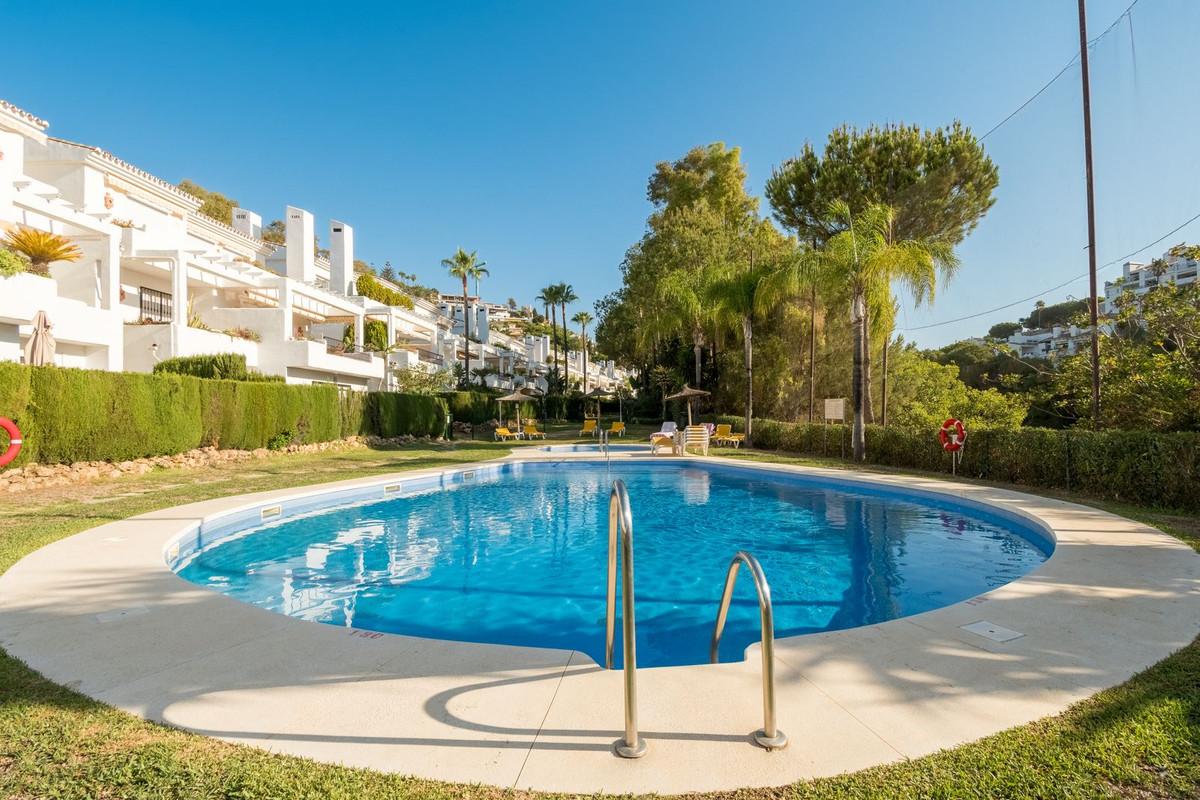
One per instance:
(341, 257)
(247, 222)
(301, 233)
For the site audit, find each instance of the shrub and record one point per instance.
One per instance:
(16, 399)
(84, 415)
(248, 415)
(394, 414)
(352, 413)
(375, 336)
(367, 286)
(71, 415)
(1141, 467)
(42, 248)
(12, 263)
(415, 380)
(221, 366)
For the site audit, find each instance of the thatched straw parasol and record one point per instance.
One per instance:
(517, 397)
(688, 393)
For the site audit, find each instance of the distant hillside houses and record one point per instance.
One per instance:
(1175, 266)
(1051, 331)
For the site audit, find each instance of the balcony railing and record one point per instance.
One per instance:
(155, 306)
(336, 347)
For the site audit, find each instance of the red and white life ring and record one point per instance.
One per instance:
(14, 441)
(952, 435)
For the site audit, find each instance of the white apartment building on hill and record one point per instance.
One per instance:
(158, 279)
(1141, 278)
(1052, 342)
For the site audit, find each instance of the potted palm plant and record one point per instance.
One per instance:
(42, 248)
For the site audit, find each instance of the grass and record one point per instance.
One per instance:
(1137, 740)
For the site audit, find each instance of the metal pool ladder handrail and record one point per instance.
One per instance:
(619, 517)
(769, 736)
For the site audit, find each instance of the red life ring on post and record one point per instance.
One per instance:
(14, 441)
(952, 435)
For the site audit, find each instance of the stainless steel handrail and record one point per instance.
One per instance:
(769, 736)
(620, 517)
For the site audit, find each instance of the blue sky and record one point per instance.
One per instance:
(527, 131)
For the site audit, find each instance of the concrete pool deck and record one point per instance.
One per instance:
(101, 612)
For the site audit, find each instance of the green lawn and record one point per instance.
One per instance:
(1138, 740)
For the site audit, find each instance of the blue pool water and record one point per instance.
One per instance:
(517, 555)
(595, 448)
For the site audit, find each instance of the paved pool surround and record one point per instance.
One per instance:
(103, 613)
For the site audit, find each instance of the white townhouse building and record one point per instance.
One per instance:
(517, 362)
(157, 279)
(1141, 278)
(1052, 342)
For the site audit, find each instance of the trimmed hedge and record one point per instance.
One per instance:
(393, 414)
(1141, 467)
(220, 366)
(68, 415)
(84, 415)
(243, 416)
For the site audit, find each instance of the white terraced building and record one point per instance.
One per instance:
(517, 361)
(157, 279)
(1140, 278)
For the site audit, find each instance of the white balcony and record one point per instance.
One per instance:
(87, 336)
(146, 345)
(316, 361)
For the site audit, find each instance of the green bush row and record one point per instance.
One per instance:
(219, 366)
(392, 414)
(1140, 467)
(480, 407)
(68, 415)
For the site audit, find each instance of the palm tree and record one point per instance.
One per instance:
(566, 295)
(42, 248)
(735, 293)
(583, 319)
(549, 297)
(466, 265)
(868, 259)
(664, 380)
(685, 301)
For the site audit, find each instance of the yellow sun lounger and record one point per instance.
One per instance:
(504, 433)
(589, 427)
(617, 429)
(725, 435)
(531, 432)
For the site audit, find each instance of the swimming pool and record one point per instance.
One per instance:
(594, 448)
(516, 554)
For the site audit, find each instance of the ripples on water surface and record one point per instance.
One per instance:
(520, 558)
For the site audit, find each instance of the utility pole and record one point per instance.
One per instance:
(1091, 211)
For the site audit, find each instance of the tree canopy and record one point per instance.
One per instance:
(713, 174)
(1058, 314)
(940, 182)
(214, 204)
(275, 232)
(1003, 330)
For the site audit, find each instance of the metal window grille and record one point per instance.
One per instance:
(156, 306)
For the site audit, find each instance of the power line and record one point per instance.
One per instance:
(1074, 60)
(1045, 292)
